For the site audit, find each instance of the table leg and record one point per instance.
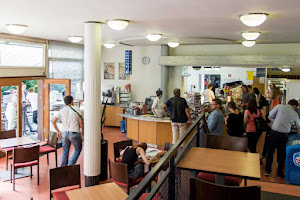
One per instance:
(220, 179)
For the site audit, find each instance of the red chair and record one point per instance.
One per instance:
(50, 147)
(118, 173)
(64, 177)
(7, 135)
(25, 157)
(226, 143)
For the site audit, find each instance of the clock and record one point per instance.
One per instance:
(146, 60)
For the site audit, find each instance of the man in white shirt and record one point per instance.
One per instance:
(72, 122)
(208, 94)
(32, 98)
(157, 105)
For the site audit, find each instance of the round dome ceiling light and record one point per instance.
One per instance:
(109, 45)
(217, 68)
(251, 35)
(286, 69)
(173, 44)
(248, 43)
(75, 39)
(117, 24)
(207, 68)
(253, 19)
(153, 37)
(16, 28)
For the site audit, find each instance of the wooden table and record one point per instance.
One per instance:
(14, 142)
(222, 163)
(109, 191)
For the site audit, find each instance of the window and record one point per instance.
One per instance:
(17, 54)
(66, 62)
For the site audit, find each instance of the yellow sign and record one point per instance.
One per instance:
(249, 75)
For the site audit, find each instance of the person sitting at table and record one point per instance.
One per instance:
(234, 121)
(130, 156)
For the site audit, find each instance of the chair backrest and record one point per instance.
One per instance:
(64, 176)
(7, 134)
(202, 190)
(118, 171)
(27, 154)
(227, 143)
(52, 139)
(120, 146)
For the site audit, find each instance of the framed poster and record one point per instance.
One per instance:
(109, 71)
(122, 75)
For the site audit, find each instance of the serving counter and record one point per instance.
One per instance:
(148, 129)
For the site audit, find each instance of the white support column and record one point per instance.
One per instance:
(164, 74)
(92, 104)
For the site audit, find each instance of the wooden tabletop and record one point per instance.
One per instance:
(109, 191)
(14, 142)
(224, 162)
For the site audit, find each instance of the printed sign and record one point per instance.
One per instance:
(249, 75)
(128, 62)
(260, 72)
(296, 159)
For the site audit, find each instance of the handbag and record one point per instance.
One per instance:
(260, 123)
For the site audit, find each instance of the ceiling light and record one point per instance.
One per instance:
(186, 74)
(207, 68)
(251, 35)
(117, 24)
(253, 19)
(173, 44)
(75, 39)
(153, 37)
(217, 68)
(109, 45)
(16, 28)
(286, 69)
(248, 43)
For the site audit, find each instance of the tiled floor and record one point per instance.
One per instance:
(26, 187)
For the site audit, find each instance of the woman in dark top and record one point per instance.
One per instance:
(234, 121)
(130, 155)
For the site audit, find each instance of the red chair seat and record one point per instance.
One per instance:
(144, 196)
(7, 149)
(45, 149)
(61, 194)
(132, 182)
(27, 164)
(229, 180)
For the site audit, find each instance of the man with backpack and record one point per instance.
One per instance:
(72, 123)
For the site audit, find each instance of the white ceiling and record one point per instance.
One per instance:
(184, 20)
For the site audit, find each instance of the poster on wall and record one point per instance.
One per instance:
(122, 75)
(250, 75)
(128, 62)
(109, 71)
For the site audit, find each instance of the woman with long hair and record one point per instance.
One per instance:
(253, 135)
(234, 121)
(130, 156)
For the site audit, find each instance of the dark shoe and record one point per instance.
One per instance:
(267, 173)
(33, 131)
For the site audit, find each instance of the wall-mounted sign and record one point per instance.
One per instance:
(250, 75)
(260, 72)
(128, 62)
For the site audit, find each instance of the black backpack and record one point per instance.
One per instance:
(263, 101)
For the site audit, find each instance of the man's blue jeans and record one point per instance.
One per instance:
(69, 138)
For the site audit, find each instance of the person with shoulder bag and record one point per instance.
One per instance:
(254, 128)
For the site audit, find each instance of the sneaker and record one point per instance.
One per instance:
(267, 173)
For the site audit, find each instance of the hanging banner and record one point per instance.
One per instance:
(128, 62)
(249, 75)
(260, 72)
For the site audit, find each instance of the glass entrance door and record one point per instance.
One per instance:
(54, 93)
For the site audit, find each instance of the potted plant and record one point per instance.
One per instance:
(104, 148)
